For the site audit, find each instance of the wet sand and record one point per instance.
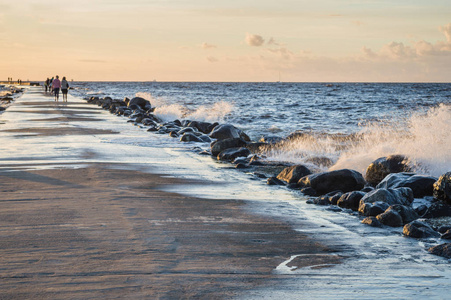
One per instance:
(108, 231)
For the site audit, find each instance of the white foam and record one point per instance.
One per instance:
(422, 137)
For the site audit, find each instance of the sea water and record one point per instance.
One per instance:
(349, 123)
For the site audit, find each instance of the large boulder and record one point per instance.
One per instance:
(228, 131)
(443, 250)
(419, 230)
(344, 180)
(350, 200)
(139, 102)
(407, 213)
(421, 185)
(221, 145)
(402, 196)
(232, 153)
(292, 174)
(442, 188)
(373, 209)
(384, 166)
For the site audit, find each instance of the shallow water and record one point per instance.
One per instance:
(378, 262)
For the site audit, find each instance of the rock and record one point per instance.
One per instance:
(344, 180)
(221, 145)
(327, 199)
(240, 166)
(408, 214)
(438, 210)
(446, 235)
(442, 188)
(173, 134)
(384, 166)
(421, 210)
(372, 221)
(232, 153)
(139, 102)
(308, 191)
(421, 185)
(350, 200)
(443, 229)
(270, 139)
(228, 131)
(419, 230)
(293, 174)
(190, 137)
(403, 196)
(373, 209)
(274, 181)
(390, 218)
(443, 250)
(203, 127)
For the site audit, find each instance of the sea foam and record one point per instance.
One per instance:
(423, 137)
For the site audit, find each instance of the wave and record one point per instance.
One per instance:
(422, 137)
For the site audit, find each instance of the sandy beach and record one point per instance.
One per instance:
(72, 228)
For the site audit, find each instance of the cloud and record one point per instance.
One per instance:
(206, 46)
(254, 40)
(282, 53)
(446, 30)
(416, 51)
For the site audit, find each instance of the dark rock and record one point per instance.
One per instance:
(421, 210)
(173, 134)
(308, 191)
(443, 250)
(384, 166)
(187, 129)
(190, 137)
(232, 153)
(446, 235)
(326, 199)
(345, 180)
(373, 209)
(221, 145)
(372, 221)
(442, 188)
(350, 200)
(419, 230)
(139, 102)
(203, 127)
(408, 214)
(205, 138)
(334, 198)
(240, 166)
(443, 229)
(421, 185)
(403, 196)
(437, 210)
(274, 181)
(390, 218)
(228, 131)
(260, 175)
(293, 174)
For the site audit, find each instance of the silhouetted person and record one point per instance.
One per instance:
(64, 88)
(56, 85)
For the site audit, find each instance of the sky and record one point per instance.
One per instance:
(233, 40)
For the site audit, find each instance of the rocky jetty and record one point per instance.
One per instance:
(384, 196)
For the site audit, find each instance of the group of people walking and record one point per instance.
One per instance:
(54, 85)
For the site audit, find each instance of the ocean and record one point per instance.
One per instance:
(351, 124)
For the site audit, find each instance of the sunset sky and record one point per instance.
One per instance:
(233, 40)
